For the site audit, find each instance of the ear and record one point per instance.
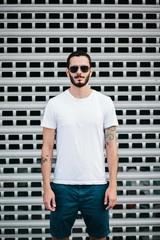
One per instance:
(67, 72)
(91, 71)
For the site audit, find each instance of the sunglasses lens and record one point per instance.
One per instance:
(73, 69)
(84, 68)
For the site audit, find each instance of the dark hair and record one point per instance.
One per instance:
(77, 54)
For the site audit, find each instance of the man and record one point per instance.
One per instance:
(81, 118)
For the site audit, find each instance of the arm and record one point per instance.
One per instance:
(112, 160)
(46, 166)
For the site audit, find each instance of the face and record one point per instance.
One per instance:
(79, 78)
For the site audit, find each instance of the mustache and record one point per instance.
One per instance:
(79, 76)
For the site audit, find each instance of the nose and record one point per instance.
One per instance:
(79, 70)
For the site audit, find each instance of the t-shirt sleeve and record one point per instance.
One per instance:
(49, 117)
(110, 118)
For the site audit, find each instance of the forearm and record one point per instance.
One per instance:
(112, 160)
(46, 165)
(112, 154)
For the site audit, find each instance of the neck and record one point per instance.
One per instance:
(80, 93)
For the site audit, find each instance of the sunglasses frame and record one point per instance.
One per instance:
(77, 67)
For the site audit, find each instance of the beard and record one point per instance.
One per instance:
(79, 84)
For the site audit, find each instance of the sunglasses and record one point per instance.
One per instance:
(74, 68)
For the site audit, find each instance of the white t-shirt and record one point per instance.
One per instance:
(80, 125)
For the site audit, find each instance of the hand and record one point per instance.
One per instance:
(111, 195)
(49, 197)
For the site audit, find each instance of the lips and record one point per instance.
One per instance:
(79, 77)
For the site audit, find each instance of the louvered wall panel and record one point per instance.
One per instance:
(123, 39)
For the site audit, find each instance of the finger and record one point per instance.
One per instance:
(53, 203)
(53, 209)
(109, 206)
(106, 199)
(49, 207)
(112, 203)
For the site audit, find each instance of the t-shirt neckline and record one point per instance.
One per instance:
(80, 99)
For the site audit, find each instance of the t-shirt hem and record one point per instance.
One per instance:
(111, 125)
(47, 126)
(80, 182)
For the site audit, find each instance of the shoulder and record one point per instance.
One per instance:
(57, 98)
(102, 97)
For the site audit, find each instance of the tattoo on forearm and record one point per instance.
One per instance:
(45, 159)
(109, 134)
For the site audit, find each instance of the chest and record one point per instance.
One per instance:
(79, 114)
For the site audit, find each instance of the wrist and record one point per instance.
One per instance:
(46, 186)
(113, 184)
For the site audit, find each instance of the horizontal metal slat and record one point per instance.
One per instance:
(80, 223)
(35, 142)
(30, 190)
(95, 56)
(121, 176)
(76, 32)
(91, 46)
(46, 93)
(93, 81)
(78, 8)
(122, 153)
(120, 129)
(84, 234)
